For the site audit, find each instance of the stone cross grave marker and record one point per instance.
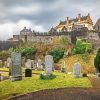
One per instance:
(49, 64)
(77, 70)
(16, 69)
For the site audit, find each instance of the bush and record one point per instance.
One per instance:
(44, 77)
(97, 61)
(57, 54)
(82, 47)
(28, 52)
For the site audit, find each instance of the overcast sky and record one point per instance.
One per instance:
(41, 15)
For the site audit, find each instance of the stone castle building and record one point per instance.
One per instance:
(80, 27)
(97, 25)
(75, 24)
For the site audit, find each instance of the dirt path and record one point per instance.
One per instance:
(62, 94)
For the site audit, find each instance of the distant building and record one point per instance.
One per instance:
(75, 24)
(97, 25)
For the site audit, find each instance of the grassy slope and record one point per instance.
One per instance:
(8, 88)
(86, 63)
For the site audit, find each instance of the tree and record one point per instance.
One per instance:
(57, 54)
(97, 61)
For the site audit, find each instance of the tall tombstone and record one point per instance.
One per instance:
(16, 69)
(77, 70)
(49, 64)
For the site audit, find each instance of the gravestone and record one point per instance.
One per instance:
(28, 64)
(28, 70)
(1, 77)
(9, 62)
(49, 64)
(5, 64)
(63, 67)
(1, 64)
(77, 70)
(39, 64)
(16, 69)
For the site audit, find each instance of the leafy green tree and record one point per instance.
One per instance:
(57, 54)
(97, 61)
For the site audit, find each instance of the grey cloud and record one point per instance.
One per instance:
(50, 13)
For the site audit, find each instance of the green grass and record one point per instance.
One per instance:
(9, 88)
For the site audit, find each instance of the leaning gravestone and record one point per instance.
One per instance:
(49, 64)
(16, 69)
(77, 70)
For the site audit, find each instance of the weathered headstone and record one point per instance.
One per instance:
(49, 64)
(1, 64)
(28, 64)
(9, 62)
(16, 69)
(1, 77)
(63, 67)
(77, 70)
(39, 64)
(5, 64)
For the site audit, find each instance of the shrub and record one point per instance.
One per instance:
(97, 61)
(82, 47)
(27, 52)
(44, 77)
(57, 54)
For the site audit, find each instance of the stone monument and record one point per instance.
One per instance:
(49, 64)
(16, 69)
(77, 70)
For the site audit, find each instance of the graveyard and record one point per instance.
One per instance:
(28, 71)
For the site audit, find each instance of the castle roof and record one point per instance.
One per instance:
(26, 30)
(72, 20)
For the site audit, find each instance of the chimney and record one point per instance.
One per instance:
(79, 15)
(67, 18)
(88, 14)
(24, 27)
